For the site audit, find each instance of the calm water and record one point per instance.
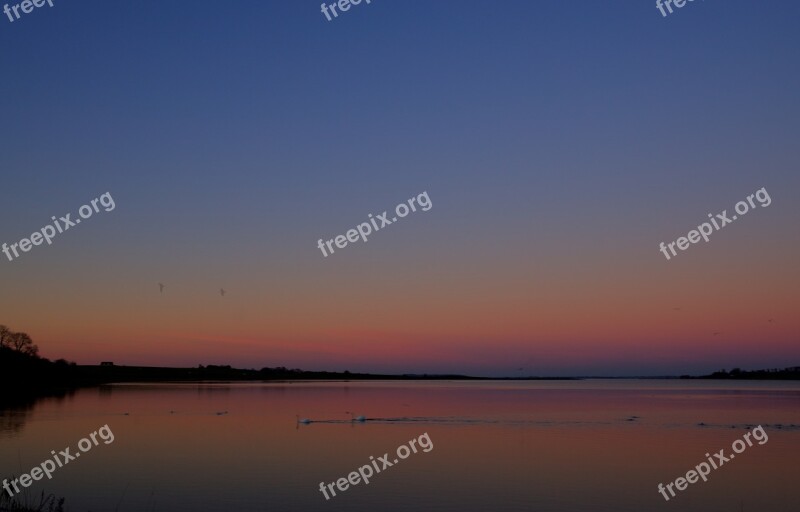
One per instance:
(571, 446)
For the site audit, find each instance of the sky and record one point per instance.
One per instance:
(559, 143)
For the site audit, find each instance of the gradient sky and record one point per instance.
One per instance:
(559, 142)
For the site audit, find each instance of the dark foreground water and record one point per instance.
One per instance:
(570, 446)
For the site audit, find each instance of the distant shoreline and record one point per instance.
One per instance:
(110, 373)
(33, 377)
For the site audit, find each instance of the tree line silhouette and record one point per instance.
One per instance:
(24, 374)
(18, 341)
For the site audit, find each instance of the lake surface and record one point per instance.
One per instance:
(558, 446)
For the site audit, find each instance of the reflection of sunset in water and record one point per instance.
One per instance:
(505, 446)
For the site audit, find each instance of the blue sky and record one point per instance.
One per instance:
(555, 139)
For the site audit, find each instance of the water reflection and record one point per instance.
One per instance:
(500, 446)
(15, 409)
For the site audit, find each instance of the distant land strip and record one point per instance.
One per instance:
(30, 375)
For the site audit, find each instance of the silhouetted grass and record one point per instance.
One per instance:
(25, 502)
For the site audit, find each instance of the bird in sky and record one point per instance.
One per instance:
(161, 287)
(716, 333)
(222, 292)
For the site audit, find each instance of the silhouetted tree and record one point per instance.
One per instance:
(17, 341)
(21, 342)
(5, 336)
